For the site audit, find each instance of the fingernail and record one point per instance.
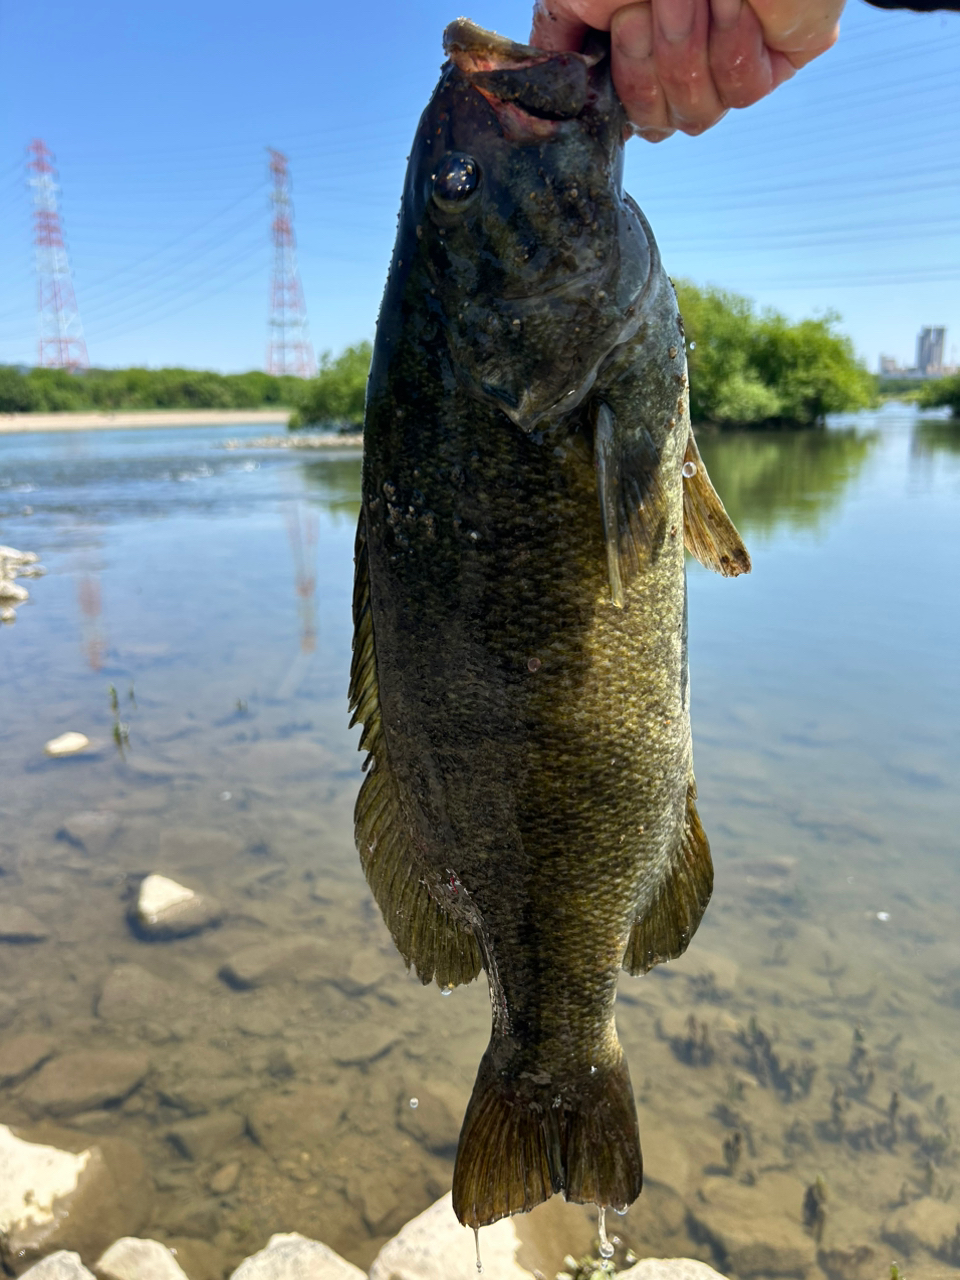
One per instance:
(725, 13)
(676, 19)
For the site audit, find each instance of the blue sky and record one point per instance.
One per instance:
(840, 192)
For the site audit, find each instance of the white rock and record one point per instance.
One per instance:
(166, 909)
(294, 1257)
(31, 1178)
(8, 614)
(19, 557)
(133, 1259)
(13, 591)
(61, 1265)
(434, 1246)
(68, 744)
(670, 1269)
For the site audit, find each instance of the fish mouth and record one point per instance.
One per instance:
(531, 90)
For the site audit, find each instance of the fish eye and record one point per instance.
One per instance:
(455, 181)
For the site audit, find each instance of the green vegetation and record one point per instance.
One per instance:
(109, 390)
(334, 398)
(750, 369)
(945, 391)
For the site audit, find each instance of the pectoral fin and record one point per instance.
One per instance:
(671, 920)
(427, 937)
(631, 498)
(708, 532)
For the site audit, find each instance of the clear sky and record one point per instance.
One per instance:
(840, 192)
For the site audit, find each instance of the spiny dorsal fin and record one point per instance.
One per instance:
(708, 532)
(663, 932)
(425, 935)
(631, 498)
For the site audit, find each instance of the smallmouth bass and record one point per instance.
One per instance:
(520, 661)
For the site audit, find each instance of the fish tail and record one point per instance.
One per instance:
(521, 1142)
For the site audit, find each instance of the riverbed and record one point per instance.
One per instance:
(194, 623)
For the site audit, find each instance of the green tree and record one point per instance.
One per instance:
(749, 369)
(335, 396)
(945, 391)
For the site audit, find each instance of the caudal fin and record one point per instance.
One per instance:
(521, 1142)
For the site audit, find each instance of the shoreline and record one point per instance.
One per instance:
(18, 423)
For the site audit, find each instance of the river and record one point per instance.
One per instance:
(194, 622)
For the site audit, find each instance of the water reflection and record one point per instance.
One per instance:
(334, 483)
(769, 479)
(936, 435)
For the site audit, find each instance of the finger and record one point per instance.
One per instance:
(801, 31)
(635, 72)
(555, 28)
(742, 66)
(681, 51)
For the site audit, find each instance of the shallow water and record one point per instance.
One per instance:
(211, 591)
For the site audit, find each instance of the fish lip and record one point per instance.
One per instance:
(472, 48)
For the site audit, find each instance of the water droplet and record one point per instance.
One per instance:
(606, 1248)
(689, 469)
(621, 1213)
(534, 664)
(693, 346)
(447, 991)
(476, 1237)
(414, 1103)
(226, 795)
(883, 915)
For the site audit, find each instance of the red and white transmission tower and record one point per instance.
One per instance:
(289, 349)
(61, 343)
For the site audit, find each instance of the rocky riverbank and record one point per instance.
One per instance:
(62, 1219)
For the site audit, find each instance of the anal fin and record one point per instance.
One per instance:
(666, 927)
(439, 947)
(708, 532)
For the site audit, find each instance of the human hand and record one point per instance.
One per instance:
(681, 64)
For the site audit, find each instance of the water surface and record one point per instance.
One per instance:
(210, 590)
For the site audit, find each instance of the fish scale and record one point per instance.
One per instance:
(520, 609)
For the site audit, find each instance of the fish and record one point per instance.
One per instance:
(530, 479)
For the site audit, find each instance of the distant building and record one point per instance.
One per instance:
(889, 368)
(930, 344)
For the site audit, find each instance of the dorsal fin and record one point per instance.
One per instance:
(666, 927)
(631, 498)
(427, 937)
(708, 532)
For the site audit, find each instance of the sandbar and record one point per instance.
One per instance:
(21, 422)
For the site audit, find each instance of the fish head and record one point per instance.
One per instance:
(535, 262)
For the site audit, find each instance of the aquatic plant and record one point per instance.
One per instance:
(814, 1209)
(791, 1081)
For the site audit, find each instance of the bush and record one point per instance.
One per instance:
(108, 390)
(945, 391)
(335, 397)
(748, 369)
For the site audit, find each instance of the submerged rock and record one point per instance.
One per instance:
(132, 1259)
(130, 992)
(927, 1224)
(60, 1189)
(203, 1136)
(19, 925)
(68, 744)
(91, 830)
(754, 1233)
(84, 1081)
(166, 909)
(434, 1246)
(294, 1257)
(22, 1054)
